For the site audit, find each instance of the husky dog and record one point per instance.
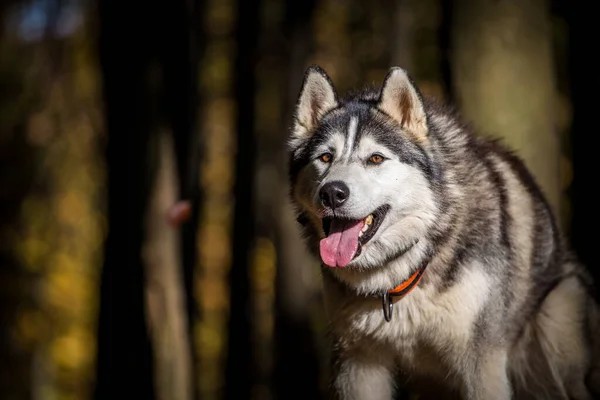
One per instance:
(442, 262)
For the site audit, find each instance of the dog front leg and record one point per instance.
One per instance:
(358, 377)
(488, 379)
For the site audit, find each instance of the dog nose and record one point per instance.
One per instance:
(334, 194)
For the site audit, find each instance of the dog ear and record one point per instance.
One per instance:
(402, 101)
(317, 96)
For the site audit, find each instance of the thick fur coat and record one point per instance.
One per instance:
(386, 183)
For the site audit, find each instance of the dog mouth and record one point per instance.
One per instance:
(346, 237)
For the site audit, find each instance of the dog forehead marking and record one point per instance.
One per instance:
(351, 136)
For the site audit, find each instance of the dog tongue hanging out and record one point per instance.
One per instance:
(341, 245)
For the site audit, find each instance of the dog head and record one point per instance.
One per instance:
(361, 171)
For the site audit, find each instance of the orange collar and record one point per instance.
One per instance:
(405, 287)
(400, 291)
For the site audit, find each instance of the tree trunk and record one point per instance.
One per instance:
(183, 44)
(165, 290)
(296, 276)
(403, 35)
(585, 216)
(239, 363)
(125, 364)
(504, 80)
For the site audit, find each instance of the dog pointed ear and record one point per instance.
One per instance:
(401, 100)
(317, 96)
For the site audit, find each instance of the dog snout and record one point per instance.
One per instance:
(334, 194)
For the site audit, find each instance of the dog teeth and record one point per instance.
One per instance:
(368, 222)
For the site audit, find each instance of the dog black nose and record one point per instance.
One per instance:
(334, 194)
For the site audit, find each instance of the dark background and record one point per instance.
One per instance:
(112, 111)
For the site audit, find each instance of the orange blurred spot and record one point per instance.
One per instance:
(179, 213)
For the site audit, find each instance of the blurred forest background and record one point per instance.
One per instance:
(112, 111)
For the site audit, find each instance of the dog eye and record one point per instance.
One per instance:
(326, 157)
(376, 159)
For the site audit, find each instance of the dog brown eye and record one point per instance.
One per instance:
(376, 159)
(326, 157)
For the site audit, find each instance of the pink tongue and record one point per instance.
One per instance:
(338, 249)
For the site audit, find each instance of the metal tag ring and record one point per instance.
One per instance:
(388, 306)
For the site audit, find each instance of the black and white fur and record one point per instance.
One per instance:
(503, 310)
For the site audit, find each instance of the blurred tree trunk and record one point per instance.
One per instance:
(183, 44)
(17, 284)
(295, 346)
(504, 80)
(125, 363)
(132, 93)
(239, 377)
(165, 292)
(419, 42)
(23, 323)
(403, 30)
(583, 76)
